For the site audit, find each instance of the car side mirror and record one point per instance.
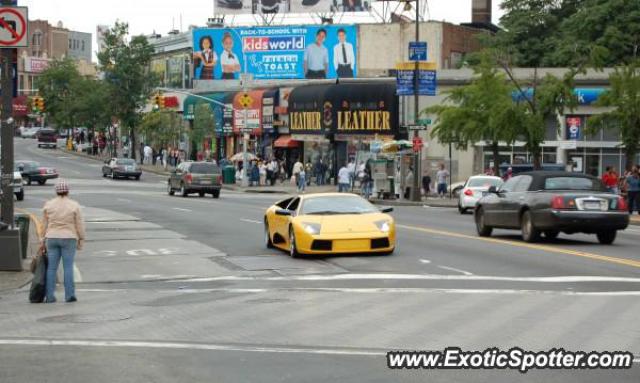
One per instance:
(283, 212)
(386, 209)
(492, 190)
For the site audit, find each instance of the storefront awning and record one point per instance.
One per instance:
(286, 142)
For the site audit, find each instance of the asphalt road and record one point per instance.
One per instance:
(185, 290)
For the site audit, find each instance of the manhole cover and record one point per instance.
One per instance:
(190, 298)
(268, 300)
(85, 318)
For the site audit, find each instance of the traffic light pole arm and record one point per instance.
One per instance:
(198, 96)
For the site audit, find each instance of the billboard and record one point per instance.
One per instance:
(265, 7)
(288, 52)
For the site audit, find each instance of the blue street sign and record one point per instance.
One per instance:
(426, 83)
(417, 51)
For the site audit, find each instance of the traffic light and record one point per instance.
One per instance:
(158, 101)
(37, 104)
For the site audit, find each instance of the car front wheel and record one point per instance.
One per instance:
(481, 226)
(607, 237)
(216, 194)
(267, 236)
(529, 232)
(293, 249)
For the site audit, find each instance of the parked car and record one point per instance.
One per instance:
(195, 177)
(29, 132)
(552, 202)
(18, 188)
(473, 190)
(121, 168)
(521, 168)
(32, 171)
(47, 138)
(329, 223)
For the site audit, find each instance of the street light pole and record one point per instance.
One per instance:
(416, 195)
(6, 135)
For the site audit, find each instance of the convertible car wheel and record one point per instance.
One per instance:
(267, 237)
(293, 249)
(529, 232)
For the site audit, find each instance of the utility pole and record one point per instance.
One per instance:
(6, 125)
(417, 173)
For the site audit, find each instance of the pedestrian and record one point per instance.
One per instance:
(441, 180)
(125, 150)
(308, 171)
(254, 174)
(284, 175)
(297, 168)
(610, 179)
(302, 181)
(633, 190)
(82, 137)
(64, 234)
(344, 179)
(367, 180)
(408, 184)
(352, 171)
(318, 172)
(263, 173)
(141, 150)
(148, 154)
(165, 157)
(426, 184)
(507, 176)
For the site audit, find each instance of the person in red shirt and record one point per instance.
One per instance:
(610, 179)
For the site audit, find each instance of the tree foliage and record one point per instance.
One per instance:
(480, 111)
(624, 97)
(125, 64)
(161, 128)
(203, 123)
(60, 87)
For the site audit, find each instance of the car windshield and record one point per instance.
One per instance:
(47, 132)
(126, 162)
(204, 169)
(26, 165)
(484, 182)
(572, 183)
(337, 205)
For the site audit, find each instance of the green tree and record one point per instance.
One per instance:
(161, 128)
(125, 64)
(203, 124)
(624, 98)
(480, 111)
(59, 85)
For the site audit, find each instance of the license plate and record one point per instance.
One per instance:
(49, 171)
(592, 205)
(204, 182)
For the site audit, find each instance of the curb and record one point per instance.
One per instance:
(427, 203)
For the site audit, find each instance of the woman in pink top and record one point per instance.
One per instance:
(64, 233)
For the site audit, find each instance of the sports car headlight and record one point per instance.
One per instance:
(311, 228)
(383, 226)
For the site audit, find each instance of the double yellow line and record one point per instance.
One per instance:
(548, 248)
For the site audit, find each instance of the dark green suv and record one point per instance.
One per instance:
(195, 177)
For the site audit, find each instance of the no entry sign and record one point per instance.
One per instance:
(13, 27)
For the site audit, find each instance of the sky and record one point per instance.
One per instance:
(147, 16)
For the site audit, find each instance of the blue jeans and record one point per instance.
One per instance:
(66, 249)
(442, 189)
(302, 183)
(343, 187)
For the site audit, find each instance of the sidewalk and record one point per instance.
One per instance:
(430, 201)
(634, 220)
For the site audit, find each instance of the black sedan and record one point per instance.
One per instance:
(121, 168)
(548, 203)
(32, 171)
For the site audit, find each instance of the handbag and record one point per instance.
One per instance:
(38, 289)
(42, 252)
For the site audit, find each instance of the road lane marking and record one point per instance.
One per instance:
(428, 277)
(425, 261)
(455, 270)
(251, 221)
(181, 209)
(548, 248)
(124, 200)
(186, 346)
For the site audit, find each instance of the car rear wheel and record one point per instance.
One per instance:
(267, 236)
(551, 234)
(170, 189)
(607, 237)
(216, 194)
(462, 210)
(529, 232)
(42, 182)
(183, 191)
(293, 249)
(481, 226)
(137, 178)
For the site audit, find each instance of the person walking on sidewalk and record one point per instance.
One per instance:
(633, 190)
(441, 179)
(344, 179)
(297, 168)
(64, 234)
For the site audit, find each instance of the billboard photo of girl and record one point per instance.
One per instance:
(206, 58)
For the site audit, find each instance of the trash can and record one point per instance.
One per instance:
(229, 175)
(23, 221)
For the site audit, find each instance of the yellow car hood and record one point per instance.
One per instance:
(345, 223)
